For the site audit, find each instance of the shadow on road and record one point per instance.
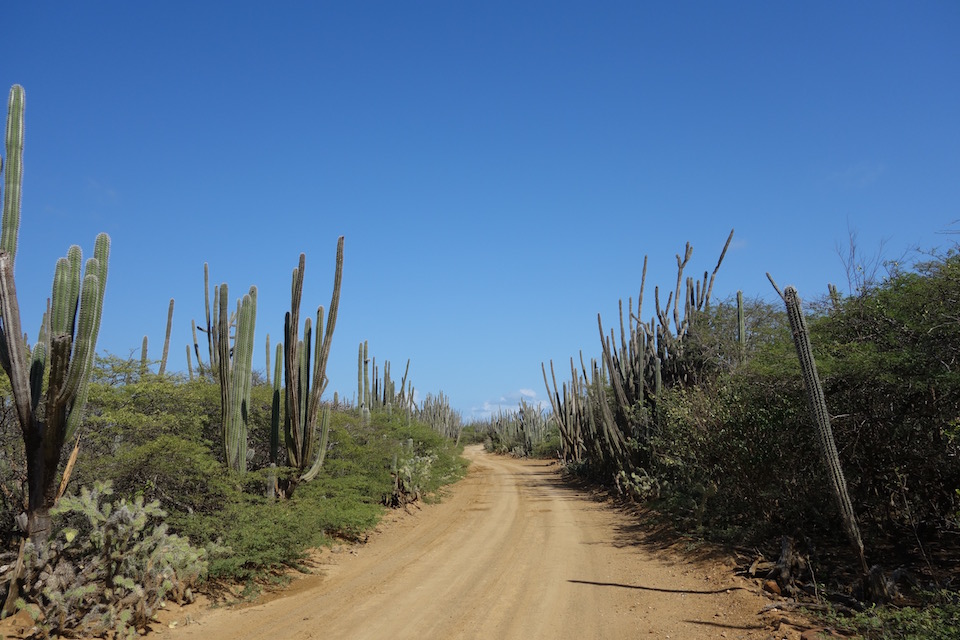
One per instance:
(658, 589)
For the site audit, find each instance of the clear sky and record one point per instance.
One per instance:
(499, 169)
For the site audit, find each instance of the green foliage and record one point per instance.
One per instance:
(108, 567)
(157, 438)
(735, 455)
(938, 620)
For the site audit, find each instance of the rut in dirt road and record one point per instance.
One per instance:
(512, 552)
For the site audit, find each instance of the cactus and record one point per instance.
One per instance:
(189, 364)
(437, 412)
(821, 418)
(305, 386)
(144, 362)
(234, 372)
(741, 329)
(267, 364)
(366, 378)
(360, 378)
(196, 349)
(166, 340)
(647, 358)
(383, 396)
(363, 384)
(60, 363)
(275, 406)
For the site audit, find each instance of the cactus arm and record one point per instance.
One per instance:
(85, 339)
(38, 358)
(13, 173)
(15, 361)
(321, 448)
(211, 347)
(717, 268)
(321, 381)
(275, 405)
(291, 339)
(196, 348)
(242, 377)
(234, 372)
(66, 292)
(306, 426)
(223, 368)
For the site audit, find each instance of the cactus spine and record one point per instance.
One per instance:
(64, 353)
(821, 418)
(305, 385)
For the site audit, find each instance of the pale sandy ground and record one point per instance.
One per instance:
(510, 552)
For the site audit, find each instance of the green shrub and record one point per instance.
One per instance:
(938, 620)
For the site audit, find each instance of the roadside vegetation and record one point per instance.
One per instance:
(122, 488)
(154, 441)
(704, 415)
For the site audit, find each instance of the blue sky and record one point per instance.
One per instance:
(499, 169)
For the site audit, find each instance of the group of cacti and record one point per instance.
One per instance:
(649, 356)
(593, 423)
(57, 369)
(306, 438)
(436, 411)
(382, 393)
(519, 432)
(302, 362)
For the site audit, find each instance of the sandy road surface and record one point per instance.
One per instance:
(511, 553)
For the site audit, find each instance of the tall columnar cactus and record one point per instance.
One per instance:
(821, 419)
(741, 329)
(58, 368)
(305, 383)
(363, 383)
(275, 412)
(360, 378)
(144, 361)
(166, 340)
(234, 371)
(189, 363)
(209, 328)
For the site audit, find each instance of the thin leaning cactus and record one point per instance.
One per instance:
(821, 418)
(58, 368)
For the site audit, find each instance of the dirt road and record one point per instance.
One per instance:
(512, 552)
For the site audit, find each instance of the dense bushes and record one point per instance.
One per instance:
(157, 439)
(732, 449)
